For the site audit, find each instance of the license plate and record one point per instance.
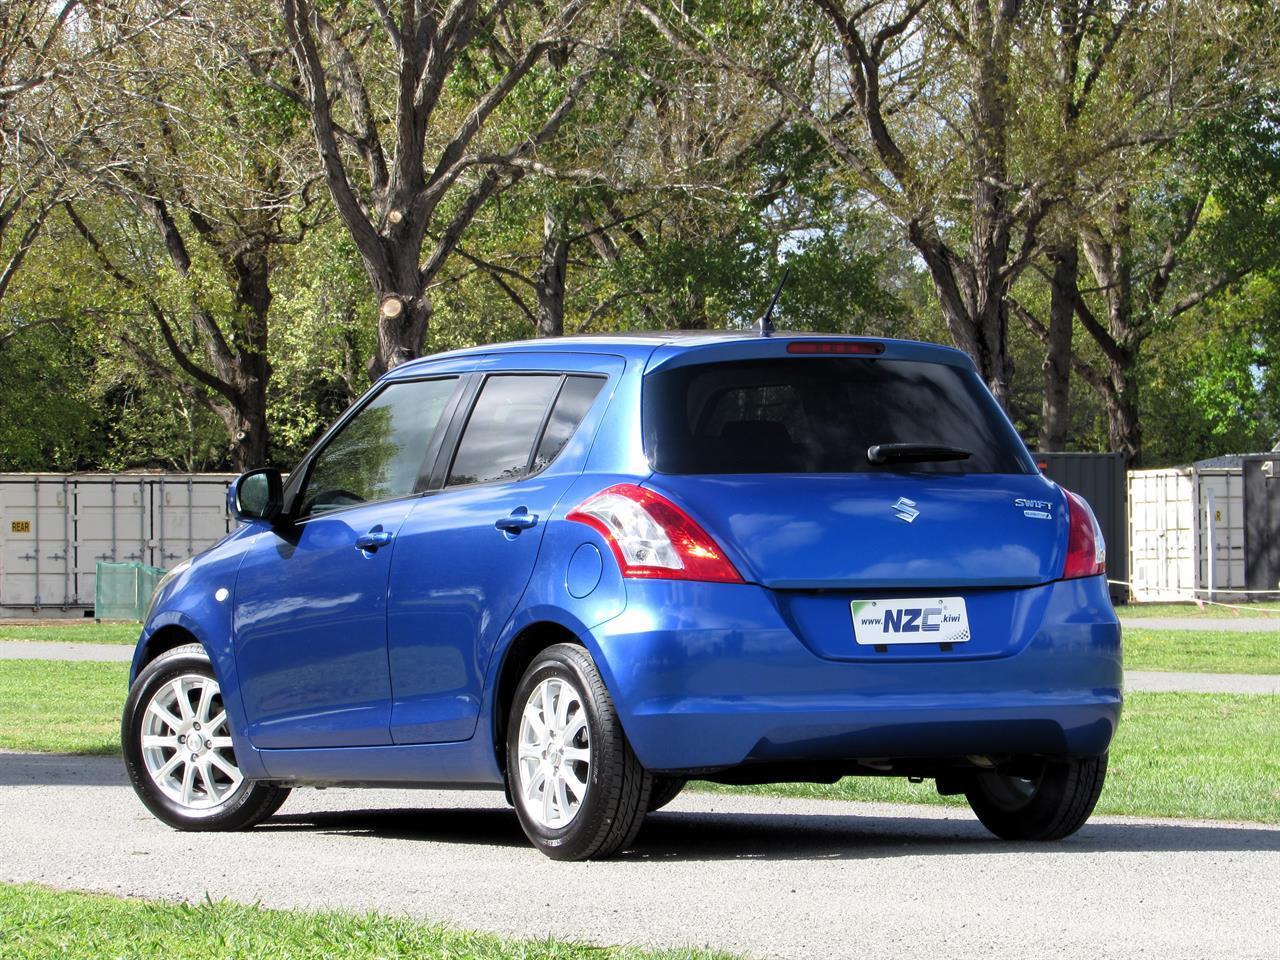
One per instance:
(916, 620)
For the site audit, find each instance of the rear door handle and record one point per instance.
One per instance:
(517, 521)
(375, 538)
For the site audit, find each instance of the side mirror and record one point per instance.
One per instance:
(256, 495)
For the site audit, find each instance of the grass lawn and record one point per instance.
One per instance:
(87, 632)
(61, 706)
(1201, 651)
(1261, 608)
(1211, 756)
(1215, 756)
(36, 924)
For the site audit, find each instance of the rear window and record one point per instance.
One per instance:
(819, 415)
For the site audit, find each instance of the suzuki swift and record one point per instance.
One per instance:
(588, 570)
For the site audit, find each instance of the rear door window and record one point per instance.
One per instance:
(820, 415)
(505, 422)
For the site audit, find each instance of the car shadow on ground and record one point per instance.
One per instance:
(61, 770)
(693, 836)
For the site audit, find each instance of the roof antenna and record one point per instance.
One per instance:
(766, 322)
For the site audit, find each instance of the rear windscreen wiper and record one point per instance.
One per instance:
(914, 453)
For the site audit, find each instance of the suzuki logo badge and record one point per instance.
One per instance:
(905, 509)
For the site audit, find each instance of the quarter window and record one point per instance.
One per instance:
(571, 406)
(379, 452)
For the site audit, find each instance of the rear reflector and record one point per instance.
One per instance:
(826, 347)
(1086, 550)
(651, 537)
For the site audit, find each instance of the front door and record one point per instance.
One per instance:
(310, 600)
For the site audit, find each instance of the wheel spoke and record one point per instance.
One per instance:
(563, 702)
(538, 779)
(536, 726)
(206, 777)
(168, 719)
(157, 743)
(577, 786)
(184, 705)
(206, 700)
(188, 782)
(217, 722)
(219, 743)
(230, 769)
(546, 802)
(577, 755)
(562, 798)
(548, 711)
(530, 751)
(575, 725)
(162, 774)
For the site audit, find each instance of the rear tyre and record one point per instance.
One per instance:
(1052, 805)
(665, 789)
(579, 791)
(177, 748)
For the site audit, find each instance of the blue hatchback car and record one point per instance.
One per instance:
(588, 570)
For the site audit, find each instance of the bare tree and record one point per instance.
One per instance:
(408, 177)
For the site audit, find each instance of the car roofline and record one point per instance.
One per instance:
(664, 345)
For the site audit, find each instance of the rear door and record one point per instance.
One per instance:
(467, 550)
(310, 597)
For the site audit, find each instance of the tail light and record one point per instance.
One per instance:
(651, 537)
(1086, 550)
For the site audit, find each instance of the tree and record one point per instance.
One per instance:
(211, 163)
(31, 59)
(410, 164)
(1206, 222)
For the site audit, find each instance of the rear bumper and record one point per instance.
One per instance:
(713, 675)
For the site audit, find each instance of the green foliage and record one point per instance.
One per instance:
(46, 420)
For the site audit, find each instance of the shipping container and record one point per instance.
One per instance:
(55, 527)
(1187, 534)
(1100, 479)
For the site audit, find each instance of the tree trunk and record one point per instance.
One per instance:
(1123, 429)
(550, 283)
(404, 309)
(246, 424)
(1055, 408)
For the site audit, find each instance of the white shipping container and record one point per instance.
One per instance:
(54, 528)
(1186, 534)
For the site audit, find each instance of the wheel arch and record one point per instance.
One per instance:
(163, 640)
(519, 653)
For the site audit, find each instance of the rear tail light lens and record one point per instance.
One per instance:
(1086, 550)
(653, 538)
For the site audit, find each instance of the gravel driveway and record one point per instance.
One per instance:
(767, 877)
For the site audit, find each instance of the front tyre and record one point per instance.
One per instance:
(1049, 806)
(578, 789)
(177, 748)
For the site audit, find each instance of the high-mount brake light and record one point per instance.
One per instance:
(834, 347)
(653, 538)
(1086, 549)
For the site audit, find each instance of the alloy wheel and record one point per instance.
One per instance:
(186, 744)
(554, 753)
